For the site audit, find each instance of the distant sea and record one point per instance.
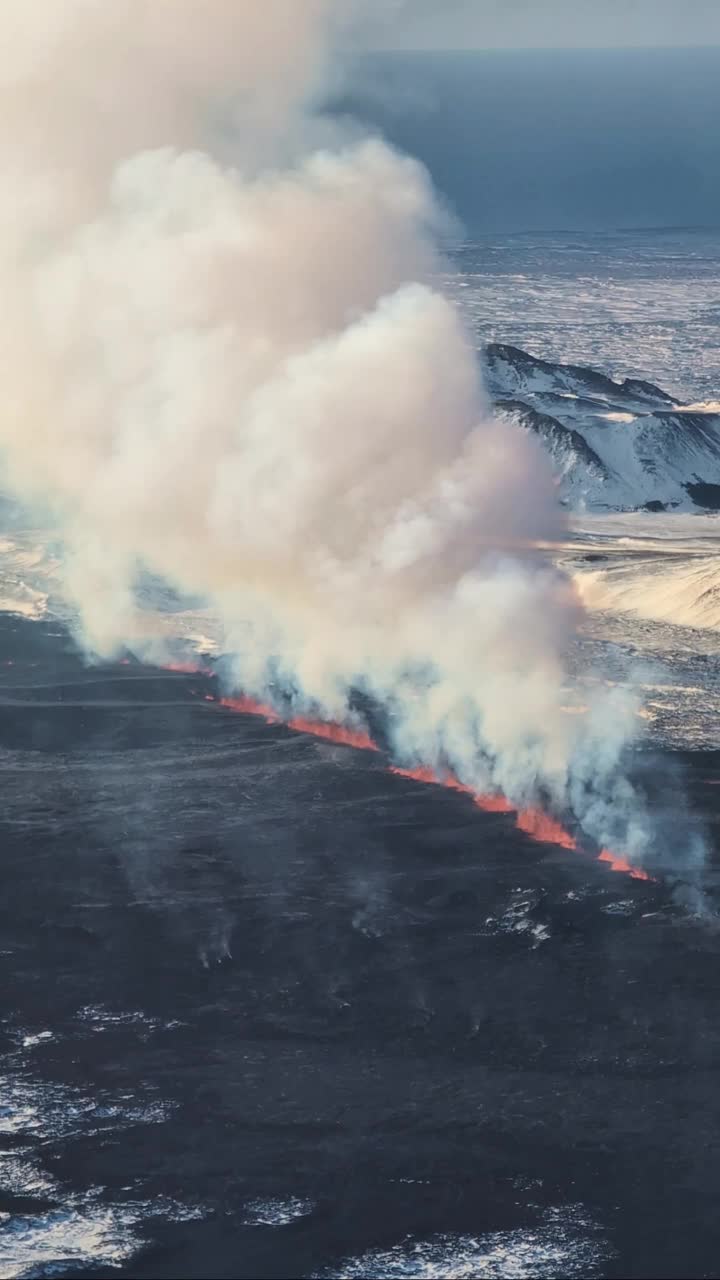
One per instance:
(555, 140)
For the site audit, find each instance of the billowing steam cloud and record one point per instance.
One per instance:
(222, 363)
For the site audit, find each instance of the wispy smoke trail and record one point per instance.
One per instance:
(222, 363)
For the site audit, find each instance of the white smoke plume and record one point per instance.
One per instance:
(223, 362)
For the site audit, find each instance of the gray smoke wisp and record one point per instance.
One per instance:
(224, 363)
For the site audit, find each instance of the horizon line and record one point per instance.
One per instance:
(582, 48)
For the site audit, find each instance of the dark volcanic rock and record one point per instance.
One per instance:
(245, 967)
(705, 495)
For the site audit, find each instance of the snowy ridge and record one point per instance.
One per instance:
(515, 369)
(615, 445)
(577, 466)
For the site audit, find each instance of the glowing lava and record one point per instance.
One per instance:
(250, 707)
(616, 863)
(535, 823)
(540, 826)
(494, 804)
(334, 733)
(423, 773)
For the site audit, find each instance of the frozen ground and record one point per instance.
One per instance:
(644, 304)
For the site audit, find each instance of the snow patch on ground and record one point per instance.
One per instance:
(567, 1243)
(275, 1213)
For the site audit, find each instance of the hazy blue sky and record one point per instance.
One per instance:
(523, 24)
(562, 139)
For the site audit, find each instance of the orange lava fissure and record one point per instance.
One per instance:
(334, 733)
(535, 823)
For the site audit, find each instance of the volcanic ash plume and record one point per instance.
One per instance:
(223, 364)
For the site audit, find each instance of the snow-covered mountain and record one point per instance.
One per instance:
(615, 445)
